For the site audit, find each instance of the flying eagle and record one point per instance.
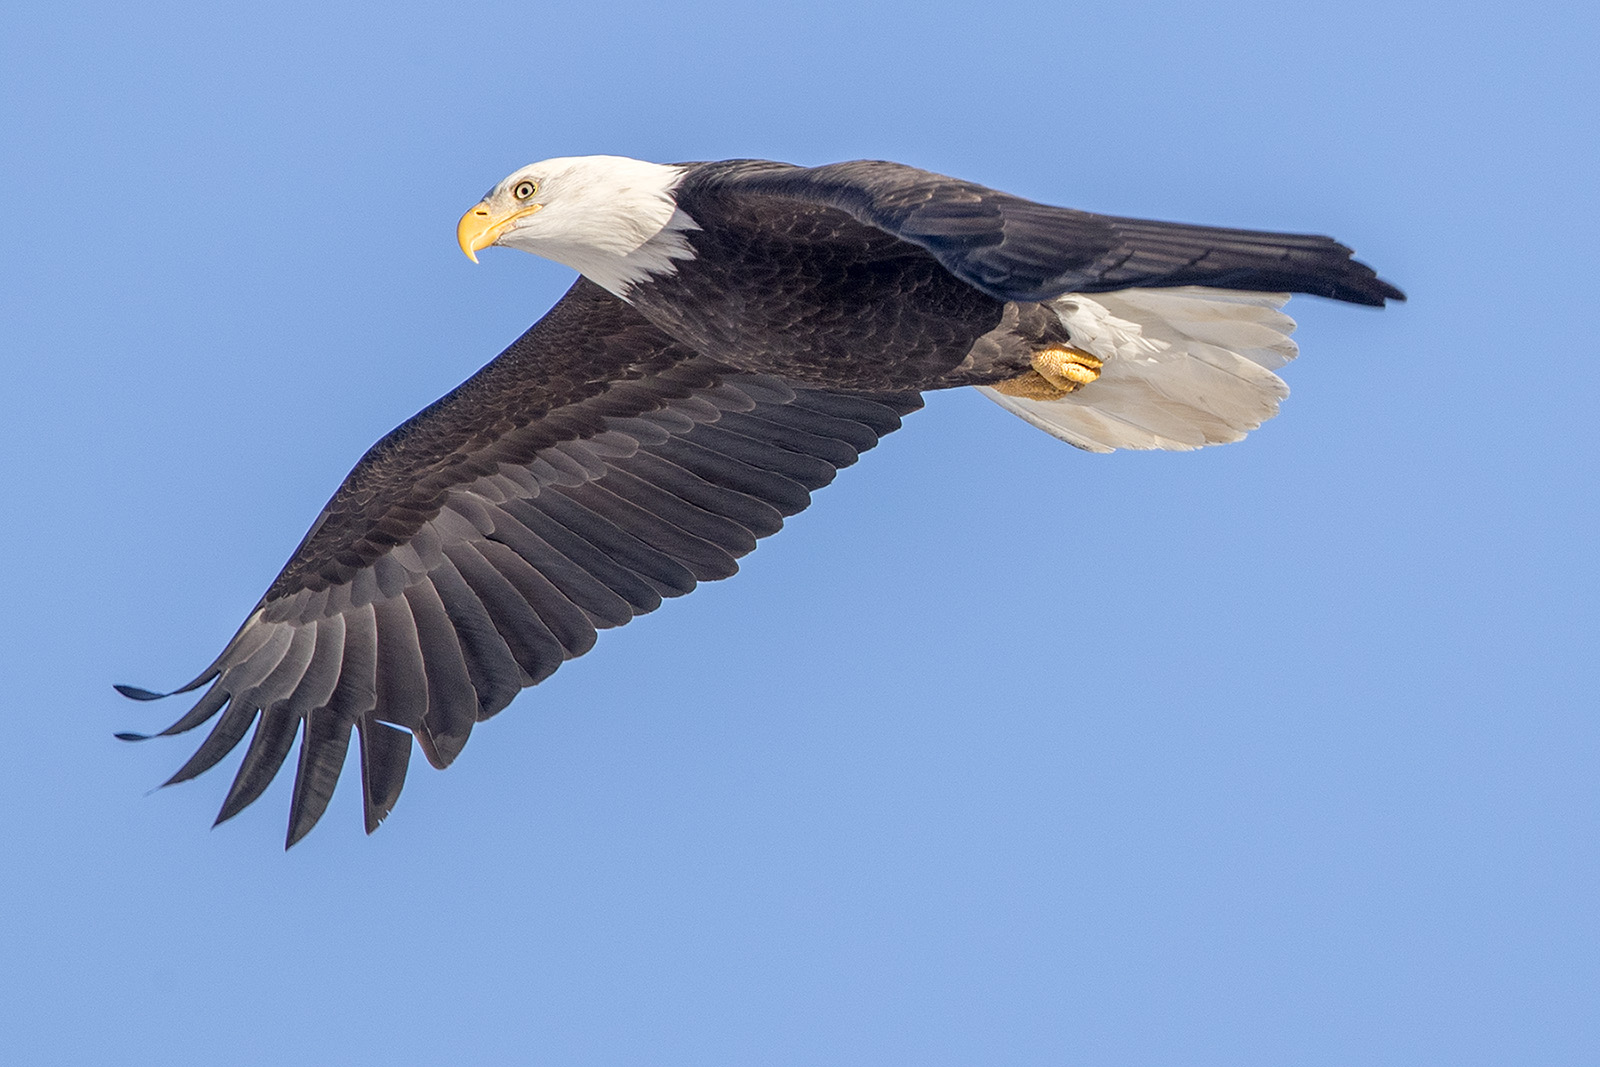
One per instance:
(740, 331)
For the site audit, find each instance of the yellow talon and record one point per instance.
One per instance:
(1030, 385)
(1069, 369)
(1056, 372)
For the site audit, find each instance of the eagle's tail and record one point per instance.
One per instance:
(1181, 368)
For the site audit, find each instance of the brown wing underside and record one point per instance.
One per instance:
(591, 470)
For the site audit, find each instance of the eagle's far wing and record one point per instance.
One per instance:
(1016, 249)
(593, 468)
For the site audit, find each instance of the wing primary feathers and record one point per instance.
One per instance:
(245, 643)
(496, 676)
(288, 671)
(400, 677)
(322, 753)
(357, 690)
(207, 706)
(133, 692)
(224, 736)
(452, 700)
(385, 755)
(268, 748)
(279, 721)
(326, 738)
(264, 666)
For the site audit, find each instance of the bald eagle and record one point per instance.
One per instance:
(740, 330)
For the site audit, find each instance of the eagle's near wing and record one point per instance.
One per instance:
(593, 468)
(1016, 249)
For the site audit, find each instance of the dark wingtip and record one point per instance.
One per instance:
(302, 816)
(129, 735)
(133, 692)
(1386, 291)
(228, 811)
(299, 827)
(1358, 283)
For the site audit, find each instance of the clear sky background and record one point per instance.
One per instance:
(1285, 752)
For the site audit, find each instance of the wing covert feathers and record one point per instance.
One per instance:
(592, 470)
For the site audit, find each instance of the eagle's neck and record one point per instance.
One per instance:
(656, 255)
(612, 219)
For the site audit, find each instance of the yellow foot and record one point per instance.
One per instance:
(1056, 372)
(1030, 385)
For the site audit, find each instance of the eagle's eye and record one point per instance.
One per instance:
(525, 189)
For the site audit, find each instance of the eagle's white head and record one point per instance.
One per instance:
(612, 219)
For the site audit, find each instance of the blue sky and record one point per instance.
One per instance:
(1297, 765)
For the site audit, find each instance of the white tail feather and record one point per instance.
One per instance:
(1183, 368)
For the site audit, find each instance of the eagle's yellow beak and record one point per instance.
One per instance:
(480, 227)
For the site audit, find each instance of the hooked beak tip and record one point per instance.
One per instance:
(475, 230)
